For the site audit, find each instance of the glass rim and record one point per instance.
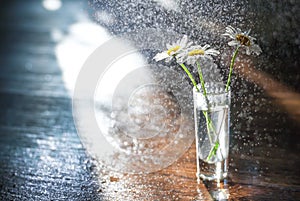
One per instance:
(221, 86)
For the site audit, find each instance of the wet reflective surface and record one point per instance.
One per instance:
(41, 155)
(45, 43)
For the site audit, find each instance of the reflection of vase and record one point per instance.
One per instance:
(211, 115)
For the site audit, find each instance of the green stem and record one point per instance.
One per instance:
(231, 67)
(217, 144)
(190, 76)
(213, 151)
(202, 80)
(209, 124)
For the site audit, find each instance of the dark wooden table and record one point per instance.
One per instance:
(42, 158)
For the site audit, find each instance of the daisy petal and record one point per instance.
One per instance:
(184, 40)
(248, 52)
(161, 56)
(256, 49)
(233, 43)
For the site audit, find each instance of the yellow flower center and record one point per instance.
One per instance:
(173, 49)
(196, 52)
(244, 40)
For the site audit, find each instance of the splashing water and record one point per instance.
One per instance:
(275, 26)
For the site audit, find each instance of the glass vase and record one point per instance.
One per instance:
(212, 120)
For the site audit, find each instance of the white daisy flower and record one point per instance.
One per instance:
(242, 39)
(173, 49)
(195, 53)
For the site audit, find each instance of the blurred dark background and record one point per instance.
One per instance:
(274, 23)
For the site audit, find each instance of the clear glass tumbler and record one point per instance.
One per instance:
(212, 120)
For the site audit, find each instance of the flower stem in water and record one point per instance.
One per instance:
(209, 124)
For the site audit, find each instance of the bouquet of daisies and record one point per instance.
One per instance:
(185, 53)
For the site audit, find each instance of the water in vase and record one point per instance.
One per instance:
(212, 141)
